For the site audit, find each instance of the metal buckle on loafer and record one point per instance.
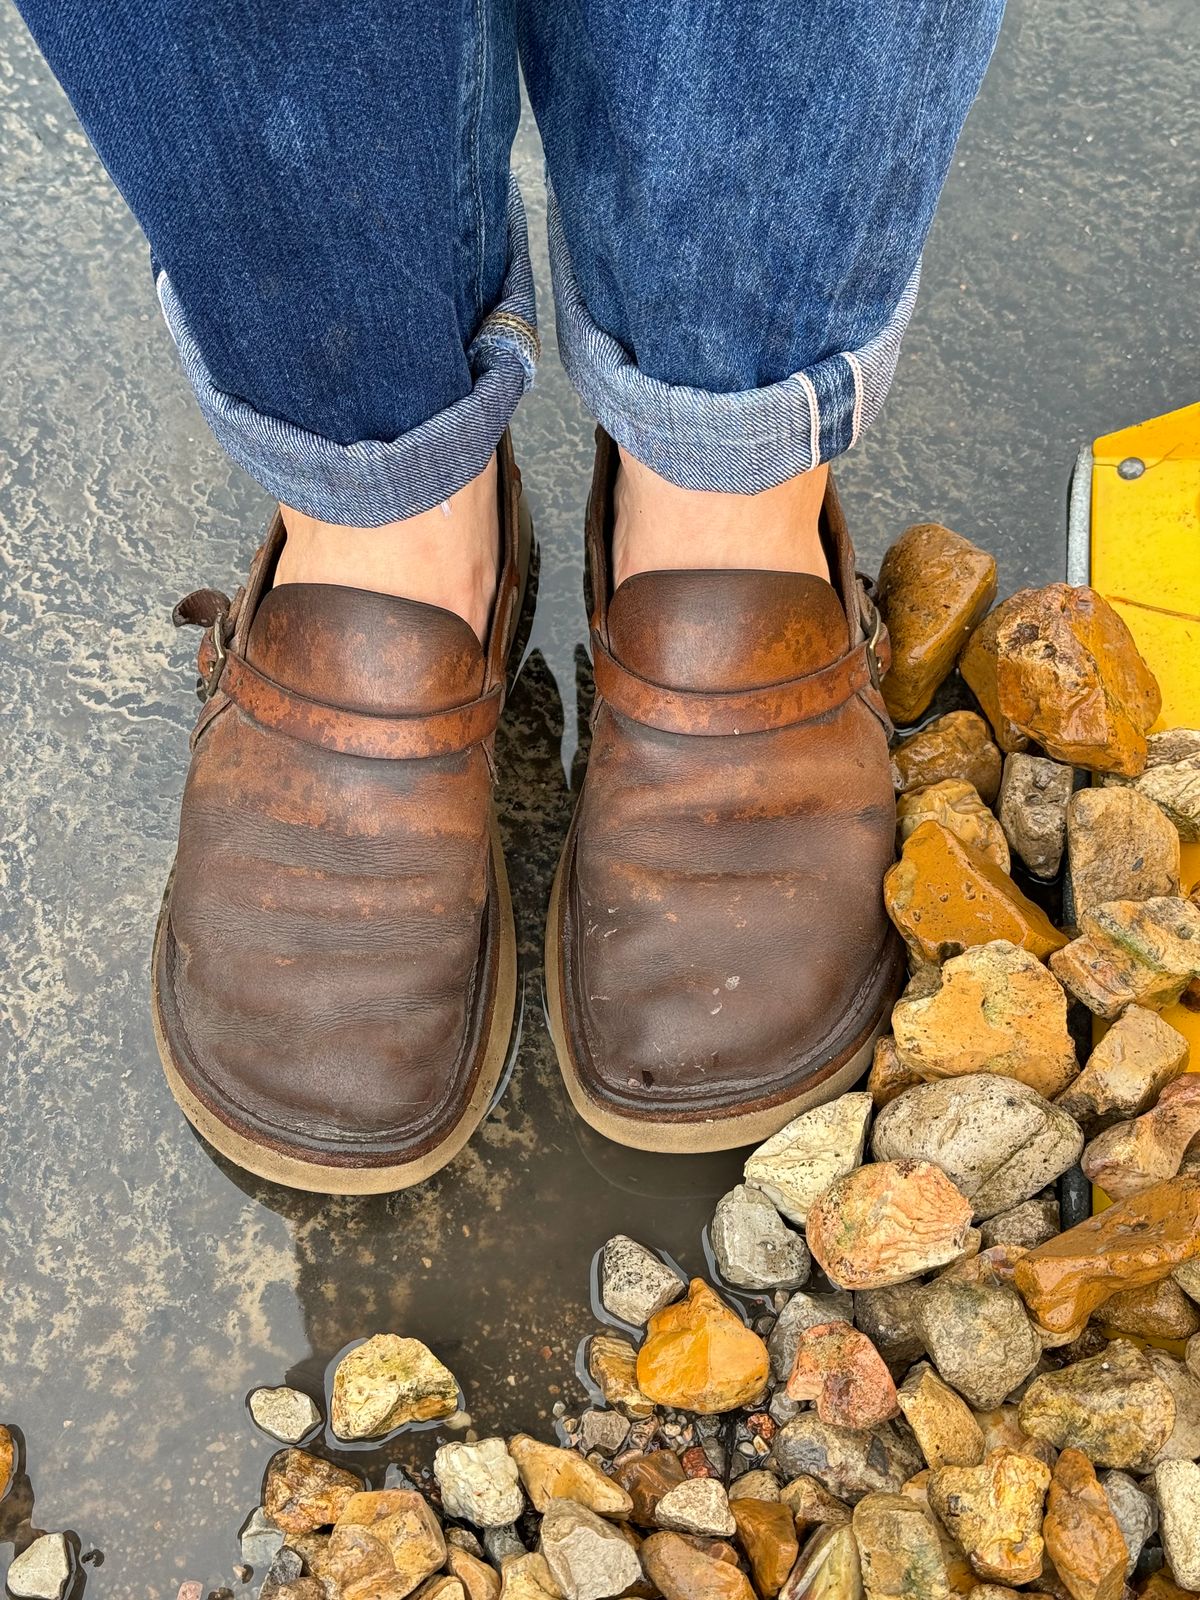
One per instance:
(873, 626)
(219, 633)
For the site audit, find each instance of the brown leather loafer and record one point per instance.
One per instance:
(718, 956)
(335, 964)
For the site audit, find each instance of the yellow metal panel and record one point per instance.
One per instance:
(1145, 561)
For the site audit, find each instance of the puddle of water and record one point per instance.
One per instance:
(146, 1287)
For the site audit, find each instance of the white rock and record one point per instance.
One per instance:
(754, 1247)
(479, 1483)
(1136, 1514)
(634, 1282)
(700, 1505)
(41, 1571)
(1177, 1486)
(997, 1140)
(799, 1163)
(588, 1557)
(284, 1413)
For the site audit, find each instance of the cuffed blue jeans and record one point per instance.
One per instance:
(740, 193)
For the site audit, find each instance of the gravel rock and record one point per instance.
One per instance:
(284, 1413)
(700, 1505)
(899, 1548)
(612, 1363)
(1177, 1486)
(888, 1222)
(1132, 1156)
(550, 1473)
(1135, 1511)
(998, 1140)
(1172, 779)
(41, 1571)
(480, 1482)
(757, 1484)
(847, 1463)
(1083, 1538)
(503, 1544)
(589, 1558)
(680, 1571)
(387, 1382)
(1183, 1443)
(1131, 952)
(979, 1337)
(302, 1492)
(994, 1510)
(753, 1246)
(603, 1431)
(1119, 847)
(994, 1009)
(1026, 1225)
(1127, 1071)
(1115, 1407)
(800, 1162)
(803, 1310)
(941, 1420)
(887, 1318)
(260, 1540)
(1034, 792)
(839, 1369)
(957, 745)
(957, 806)
(634, 1282)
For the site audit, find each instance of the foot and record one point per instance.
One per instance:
(718, 957)
(335, 970)
(445, 557)
(659, 527)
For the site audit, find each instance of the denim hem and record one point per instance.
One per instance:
(738, 442)
(374, 481)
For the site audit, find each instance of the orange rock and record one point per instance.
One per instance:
(1131, 952)
(842, 1371)
(681, 1572)
(480, 1581)
(1082, 1536)
(888, 1222)
(954, 803)
(699, 1356)
(302, 1491)
(957, 745)
(385, 1543)
(1058, 666)
(934, 587)
(1132, 1243)
(889, 1075)
(994, 1510)
(551, 1473)
(1158, 1586)
(612, 1362)
(1132, 1156)
(993, 1009)
(1159, 1311)
(945, 897)
(8, 1460)
(768, 1536)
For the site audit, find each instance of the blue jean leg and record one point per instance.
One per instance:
(339, 250)
(741, 194)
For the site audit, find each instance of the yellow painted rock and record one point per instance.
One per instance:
(934, 587)
(945, 897)
(699, 1356)
(1059, 667)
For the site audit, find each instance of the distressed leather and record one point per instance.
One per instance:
(330, 957)
(724, 941)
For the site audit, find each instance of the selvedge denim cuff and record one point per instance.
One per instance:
(374, 481)
(736, 443)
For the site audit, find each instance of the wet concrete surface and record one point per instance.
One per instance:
(146, 1286)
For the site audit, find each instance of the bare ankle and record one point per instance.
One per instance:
(661, 527)
(446, 557)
